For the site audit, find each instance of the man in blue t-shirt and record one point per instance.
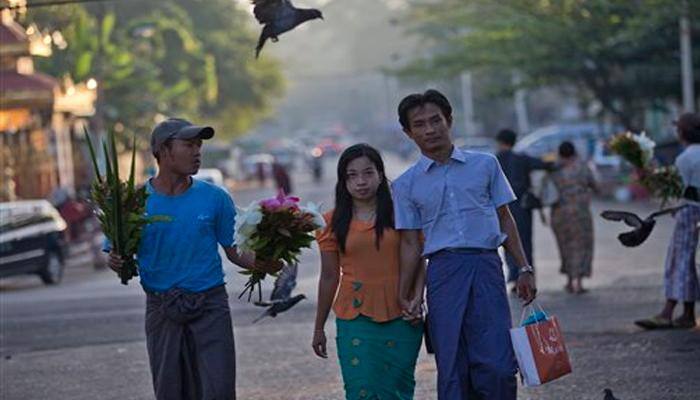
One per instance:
(189, 335)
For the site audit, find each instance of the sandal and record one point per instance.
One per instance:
(683, 323)
(654, 323)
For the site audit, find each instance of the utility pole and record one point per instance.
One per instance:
(520, 104)
(686, 60)
(467, 104)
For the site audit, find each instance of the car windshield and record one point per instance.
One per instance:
(15, 216)
(17, 221)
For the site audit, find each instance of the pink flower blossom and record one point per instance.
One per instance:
(281, 202)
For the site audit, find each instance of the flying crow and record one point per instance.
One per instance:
(278, 17)
(642, 227)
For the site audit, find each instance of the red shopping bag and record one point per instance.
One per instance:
(540, 351)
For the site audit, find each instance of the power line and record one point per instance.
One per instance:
(48, 3)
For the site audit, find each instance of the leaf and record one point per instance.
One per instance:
(108, 166)
(83, 65)
(284, 232)
(93, 157)
(107, 26)
(133, 167)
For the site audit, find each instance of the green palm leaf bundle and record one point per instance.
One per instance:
(121, 206)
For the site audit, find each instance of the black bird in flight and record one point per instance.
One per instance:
(278, 17)
(281, 298)
(280, 307)
(642, 227)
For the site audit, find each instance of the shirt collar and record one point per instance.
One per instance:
(458, 155)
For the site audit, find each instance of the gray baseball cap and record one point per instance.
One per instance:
(178, 128)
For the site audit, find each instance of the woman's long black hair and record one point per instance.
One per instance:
(342, 215)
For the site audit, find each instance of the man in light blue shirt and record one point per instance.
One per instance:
(459, 201)
(189, 335)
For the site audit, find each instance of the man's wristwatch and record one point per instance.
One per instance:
(527, 268)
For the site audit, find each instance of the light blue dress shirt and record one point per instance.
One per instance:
(455, 203)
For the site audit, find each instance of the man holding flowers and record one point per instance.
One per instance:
(189, 334)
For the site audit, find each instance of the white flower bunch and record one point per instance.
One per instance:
(247, 220)
(646, 144)
(315, 210)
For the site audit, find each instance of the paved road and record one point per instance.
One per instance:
(84, 338)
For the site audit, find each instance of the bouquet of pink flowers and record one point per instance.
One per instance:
(275, 229)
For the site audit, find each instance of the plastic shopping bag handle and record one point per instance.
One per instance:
(533, 307)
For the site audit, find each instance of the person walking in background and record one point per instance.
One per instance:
(517, 168)
(377, 348)
(459, 201)
(681, 276)
(260, 173)
(281, 176)
(571, 218)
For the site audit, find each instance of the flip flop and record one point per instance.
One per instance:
(654, 323)
(681, 323)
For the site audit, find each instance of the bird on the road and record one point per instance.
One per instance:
(642, 227)
(278, 17)
(281, 298)
(609, 395)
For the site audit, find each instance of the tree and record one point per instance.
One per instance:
(624, 54)
(190, 58)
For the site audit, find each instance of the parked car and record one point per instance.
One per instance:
(590, 140)
(588, 137)
(481, 144)
(32, 240)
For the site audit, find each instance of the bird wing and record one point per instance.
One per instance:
(630, 219)
(267, 11)
(285, 283)
(637, 236)
(261, 316)
(664, 212)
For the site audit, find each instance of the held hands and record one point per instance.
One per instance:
(412, 309)
(319, 343)
(527, 290)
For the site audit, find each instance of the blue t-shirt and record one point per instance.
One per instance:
(183, 251)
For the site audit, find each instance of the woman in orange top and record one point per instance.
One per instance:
(377, 347)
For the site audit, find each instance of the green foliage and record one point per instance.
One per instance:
(623, 54)
(121, 206)
(190, 58)
(664, 183)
